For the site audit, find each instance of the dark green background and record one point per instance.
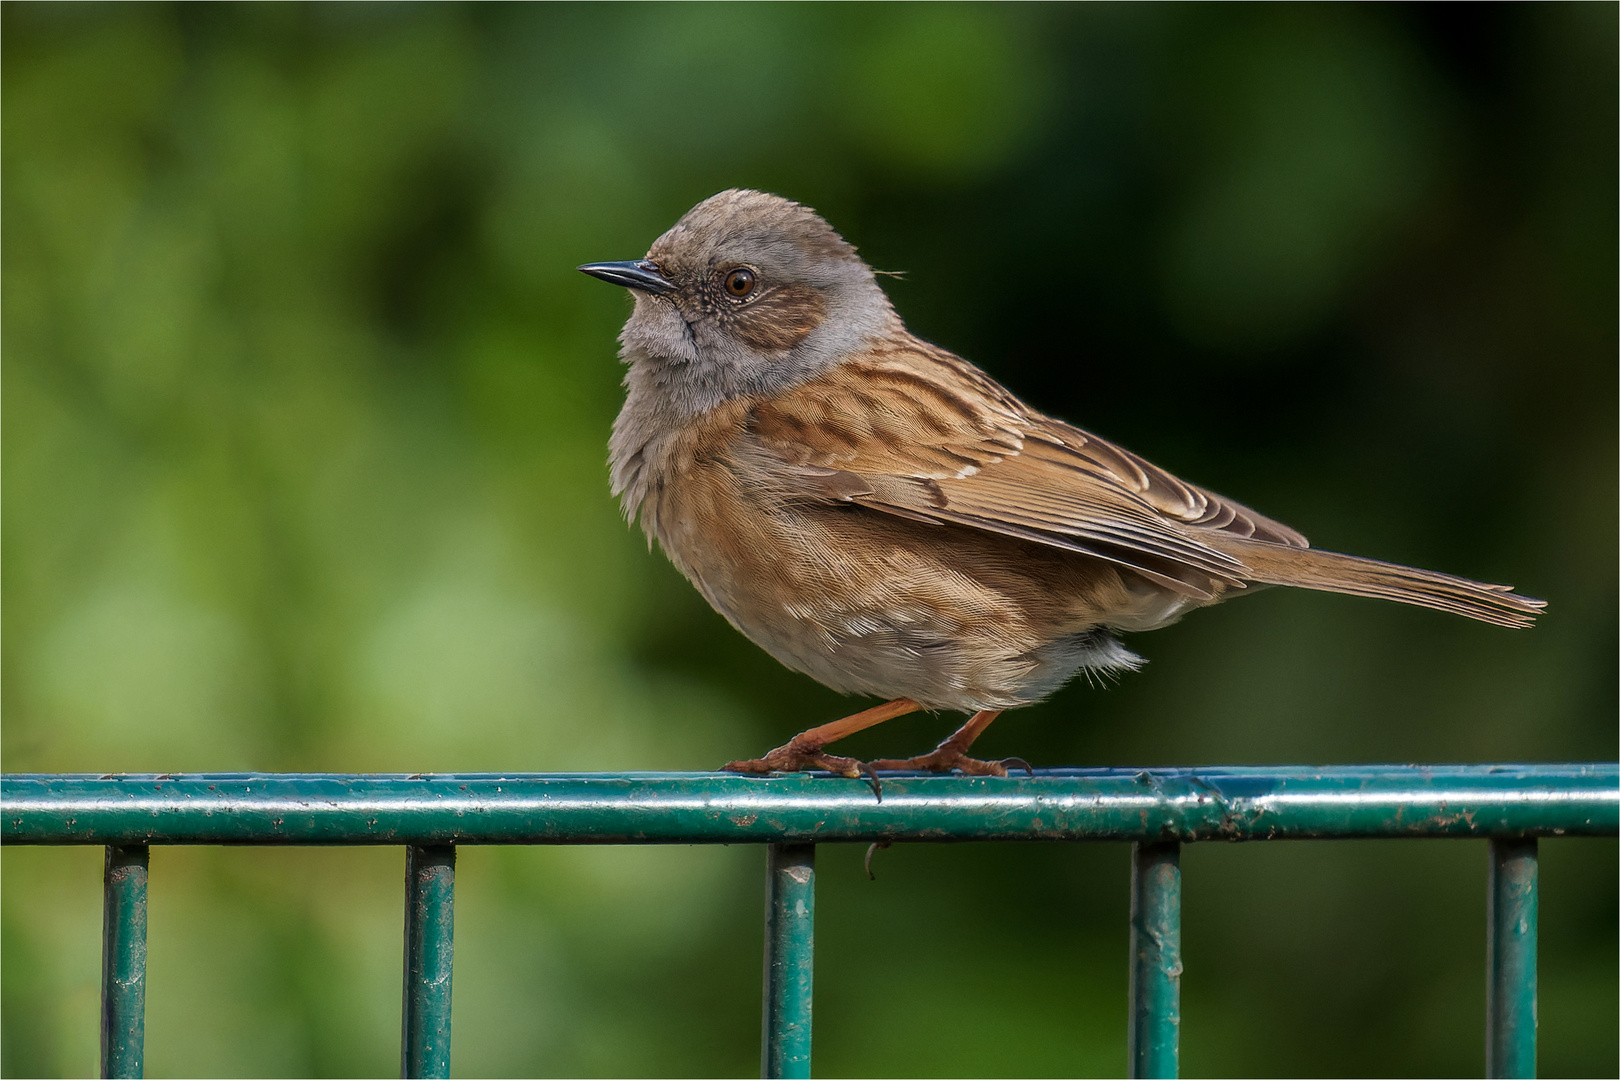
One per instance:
(305, 414)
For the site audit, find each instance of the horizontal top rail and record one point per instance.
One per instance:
(1260, 803)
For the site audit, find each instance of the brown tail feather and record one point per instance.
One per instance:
(1328, 571)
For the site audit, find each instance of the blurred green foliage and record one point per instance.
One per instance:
(304, 423)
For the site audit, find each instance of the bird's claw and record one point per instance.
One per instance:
(945, 760)
(791, 758)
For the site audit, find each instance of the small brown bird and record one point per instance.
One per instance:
(881, 515)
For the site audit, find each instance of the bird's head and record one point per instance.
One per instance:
(748, 294)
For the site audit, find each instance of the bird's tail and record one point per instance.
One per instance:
(1307, 568)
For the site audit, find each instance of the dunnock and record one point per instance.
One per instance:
(881, 515)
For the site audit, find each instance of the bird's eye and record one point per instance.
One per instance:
(740, 282)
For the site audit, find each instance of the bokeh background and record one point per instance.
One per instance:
(305, 414)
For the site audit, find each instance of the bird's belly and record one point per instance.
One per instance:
(867, 603)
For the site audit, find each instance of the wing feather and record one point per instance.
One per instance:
(918, 433)
(922, 434)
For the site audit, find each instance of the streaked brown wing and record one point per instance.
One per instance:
(920, 433)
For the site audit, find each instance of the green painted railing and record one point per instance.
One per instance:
(1157, 809)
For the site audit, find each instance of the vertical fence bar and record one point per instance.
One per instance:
(1510, 959)
(790, 950)
(430, 933)
(123, 962)
(1154, 1044)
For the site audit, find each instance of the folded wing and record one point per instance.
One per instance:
(917, 432)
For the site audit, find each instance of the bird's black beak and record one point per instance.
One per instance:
(640, 274)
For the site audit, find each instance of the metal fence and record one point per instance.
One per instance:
(1157, 809)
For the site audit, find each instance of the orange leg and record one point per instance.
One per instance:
(803, 751)
(952, 753)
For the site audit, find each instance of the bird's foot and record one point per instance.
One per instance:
(952, 753)
(794, 756)
(946, 758)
